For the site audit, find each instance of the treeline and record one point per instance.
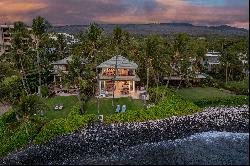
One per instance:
(166, 29)
(27, 65)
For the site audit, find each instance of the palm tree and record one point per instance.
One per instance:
(28, 106)
(61, 42)
(184, 51)
(155, 57)
(20, 41)
(93, 35)
(39, 28)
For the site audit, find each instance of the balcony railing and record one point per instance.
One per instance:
(119, 77)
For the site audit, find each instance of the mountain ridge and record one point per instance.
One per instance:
(161, 29)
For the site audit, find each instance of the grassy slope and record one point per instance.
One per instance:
(202, 93)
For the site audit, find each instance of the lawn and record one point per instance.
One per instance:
(67, 101)
(105, 105)
(239, 87)
(203, 93)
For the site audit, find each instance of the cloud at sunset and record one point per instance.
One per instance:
(62, 12)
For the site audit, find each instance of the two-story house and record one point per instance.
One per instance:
(211, 60)
(118, 74)
(61, 66)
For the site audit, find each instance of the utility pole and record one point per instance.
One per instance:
(97, 79)
(146, 88)
(114, 80)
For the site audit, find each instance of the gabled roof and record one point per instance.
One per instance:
(122, 62)
(65, 61)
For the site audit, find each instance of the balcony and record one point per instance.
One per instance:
(119, 77)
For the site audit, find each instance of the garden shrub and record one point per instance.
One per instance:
(157, 94)
(58, 127)
(171, 105)
(8, 117)
(18, 138)
(217, 101)
(240, 88)
(45, 91)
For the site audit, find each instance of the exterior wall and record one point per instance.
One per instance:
(120, 72)
(58, 68)
(121, 87)
(5, 38)
(124, 85)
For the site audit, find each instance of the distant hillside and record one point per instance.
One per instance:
(162, 29)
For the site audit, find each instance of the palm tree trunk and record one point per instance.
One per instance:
(27, 90)
(179, 84)
(114, 81)
(147, 79)
(157, 85)
(170, 74)
(226, 72)
(26, 120)
(79, 98)
(39, 69)
(26, 129)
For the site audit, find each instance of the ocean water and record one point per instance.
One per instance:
(210, 148)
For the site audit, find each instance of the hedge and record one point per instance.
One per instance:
(240, 88)
(171, 105)
(58, 127)
(217, 101)
(16, 139)
(13, 135)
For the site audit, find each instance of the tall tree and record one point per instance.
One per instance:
(61, 45)
(20, 51)
(27, 107)
(39, 29)
(184, 52)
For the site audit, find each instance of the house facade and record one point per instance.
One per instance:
(5, 38)
(118, 74)
(61, 66)
(211, 60)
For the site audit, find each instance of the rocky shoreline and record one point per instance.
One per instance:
(103, 139)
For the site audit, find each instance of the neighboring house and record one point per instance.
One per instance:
(61, 66)
(243, 58)
(211, 60)
(123, 80)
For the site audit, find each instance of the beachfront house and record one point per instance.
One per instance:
(211, 60)
(118, 75)
(59, 68)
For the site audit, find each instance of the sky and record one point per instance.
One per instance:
(78, 12)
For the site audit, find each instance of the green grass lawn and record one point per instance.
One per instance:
(105, 105)
(203, 93)
(67, 101)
